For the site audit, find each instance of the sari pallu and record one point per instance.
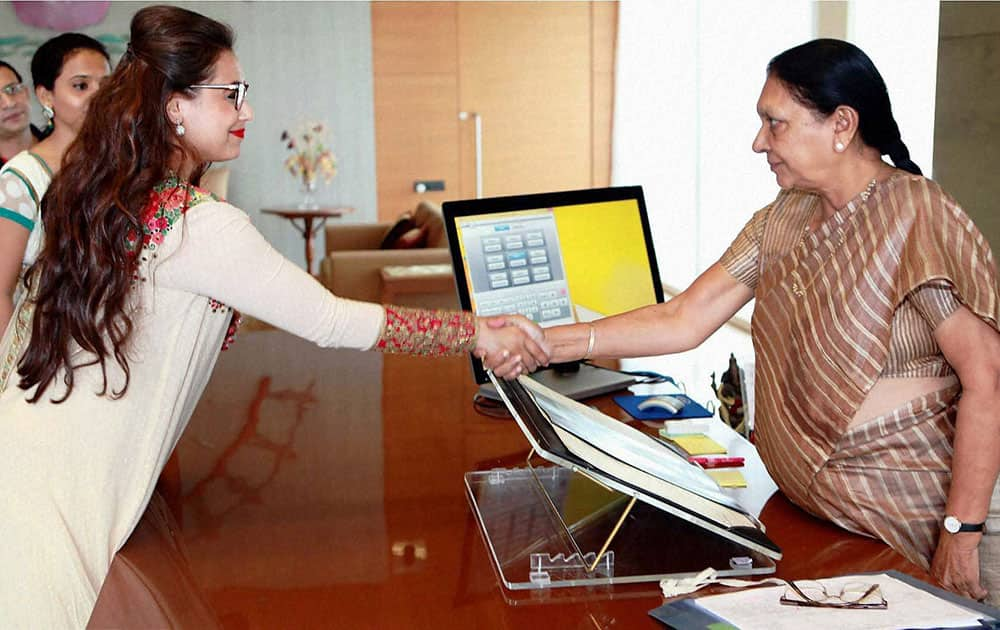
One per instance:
(821, 331)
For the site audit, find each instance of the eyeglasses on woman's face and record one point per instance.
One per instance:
(238, 91)
(12, 89)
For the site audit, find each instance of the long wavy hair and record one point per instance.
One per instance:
(125, 147)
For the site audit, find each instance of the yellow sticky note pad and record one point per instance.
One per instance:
(698, 444)
(728, 478)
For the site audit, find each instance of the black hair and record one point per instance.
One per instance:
(47, 62)
(4, 64)
(826, 73)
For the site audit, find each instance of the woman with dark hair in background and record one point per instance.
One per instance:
(131, 299)
(874, 328)
(66, 71)
(16, 131)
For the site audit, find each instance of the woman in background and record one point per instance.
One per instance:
(130, 301)
(874, 327)
(66, 71)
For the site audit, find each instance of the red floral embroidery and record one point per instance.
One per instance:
(234, 326)
(168, 202)
(427, 332)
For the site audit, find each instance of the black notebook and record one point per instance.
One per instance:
(581, 438)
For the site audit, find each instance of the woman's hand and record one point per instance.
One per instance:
(956, 564)
(510, 345)
(568, 342)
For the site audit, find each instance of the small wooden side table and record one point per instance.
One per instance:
(312, 222)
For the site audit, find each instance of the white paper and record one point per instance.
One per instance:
(627, 444)
(909, 607)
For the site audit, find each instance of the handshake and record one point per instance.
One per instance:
(511, 345)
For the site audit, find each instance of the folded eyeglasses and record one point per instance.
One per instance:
(852, 595)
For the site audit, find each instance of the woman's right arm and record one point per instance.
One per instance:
(679, 324)
(223, 256)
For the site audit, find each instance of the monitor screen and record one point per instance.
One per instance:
(556, 258)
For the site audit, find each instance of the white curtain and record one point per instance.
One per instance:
(907, 60)
(688, 75)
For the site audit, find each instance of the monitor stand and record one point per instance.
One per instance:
(586, 382)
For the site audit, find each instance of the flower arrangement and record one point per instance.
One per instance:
(310, 156)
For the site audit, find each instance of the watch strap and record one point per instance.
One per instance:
(963, 527)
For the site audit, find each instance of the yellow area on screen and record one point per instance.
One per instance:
(605, 255)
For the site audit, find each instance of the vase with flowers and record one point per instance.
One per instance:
(310, 159)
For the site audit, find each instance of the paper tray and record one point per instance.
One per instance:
(719, 515)
(534, 521)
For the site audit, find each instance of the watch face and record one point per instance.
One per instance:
(952, 524)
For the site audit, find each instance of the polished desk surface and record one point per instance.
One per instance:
(324, 488)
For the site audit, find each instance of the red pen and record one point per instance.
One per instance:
(717, 462)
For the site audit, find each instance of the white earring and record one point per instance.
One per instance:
(179, 129)
(839, 147)
(47, 112)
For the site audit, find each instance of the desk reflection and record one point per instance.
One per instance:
(281, 469)
(324, 488)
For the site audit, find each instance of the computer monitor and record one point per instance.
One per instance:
(556, 258)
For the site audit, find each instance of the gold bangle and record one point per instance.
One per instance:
(590, 341)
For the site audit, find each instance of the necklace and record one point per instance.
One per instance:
(864, 195)
(867, 192)
(799, 290)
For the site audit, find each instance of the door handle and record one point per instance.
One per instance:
(425, 185)
(478, 122)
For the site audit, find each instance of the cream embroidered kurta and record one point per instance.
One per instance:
(75, 477)
(837, 310)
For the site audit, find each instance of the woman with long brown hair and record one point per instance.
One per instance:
(129, 303)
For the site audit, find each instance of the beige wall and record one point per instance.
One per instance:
(304, 61)
(831, 18)
(967, 124)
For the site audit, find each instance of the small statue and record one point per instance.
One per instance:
(730, 395)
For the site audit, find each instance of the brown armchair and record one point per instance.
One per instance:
(354, 261)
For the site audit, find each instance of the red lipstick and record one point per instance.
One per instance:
(239, 133)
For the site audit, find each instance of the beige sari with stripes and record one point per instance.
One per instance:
(827, 303)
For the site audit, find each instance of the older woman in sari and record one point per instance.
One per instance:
(875, 325)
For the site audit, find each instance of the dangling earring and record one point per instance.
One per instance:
(49, 117)
(179, 129)
(839, 147)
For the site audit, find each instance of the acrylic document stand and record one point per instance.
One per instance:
(592, 522)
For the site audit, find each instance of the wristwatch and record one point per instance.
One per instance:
(953, 526)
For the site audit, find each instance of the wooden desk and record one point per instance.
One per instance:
(324, 488)
(312, 222)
